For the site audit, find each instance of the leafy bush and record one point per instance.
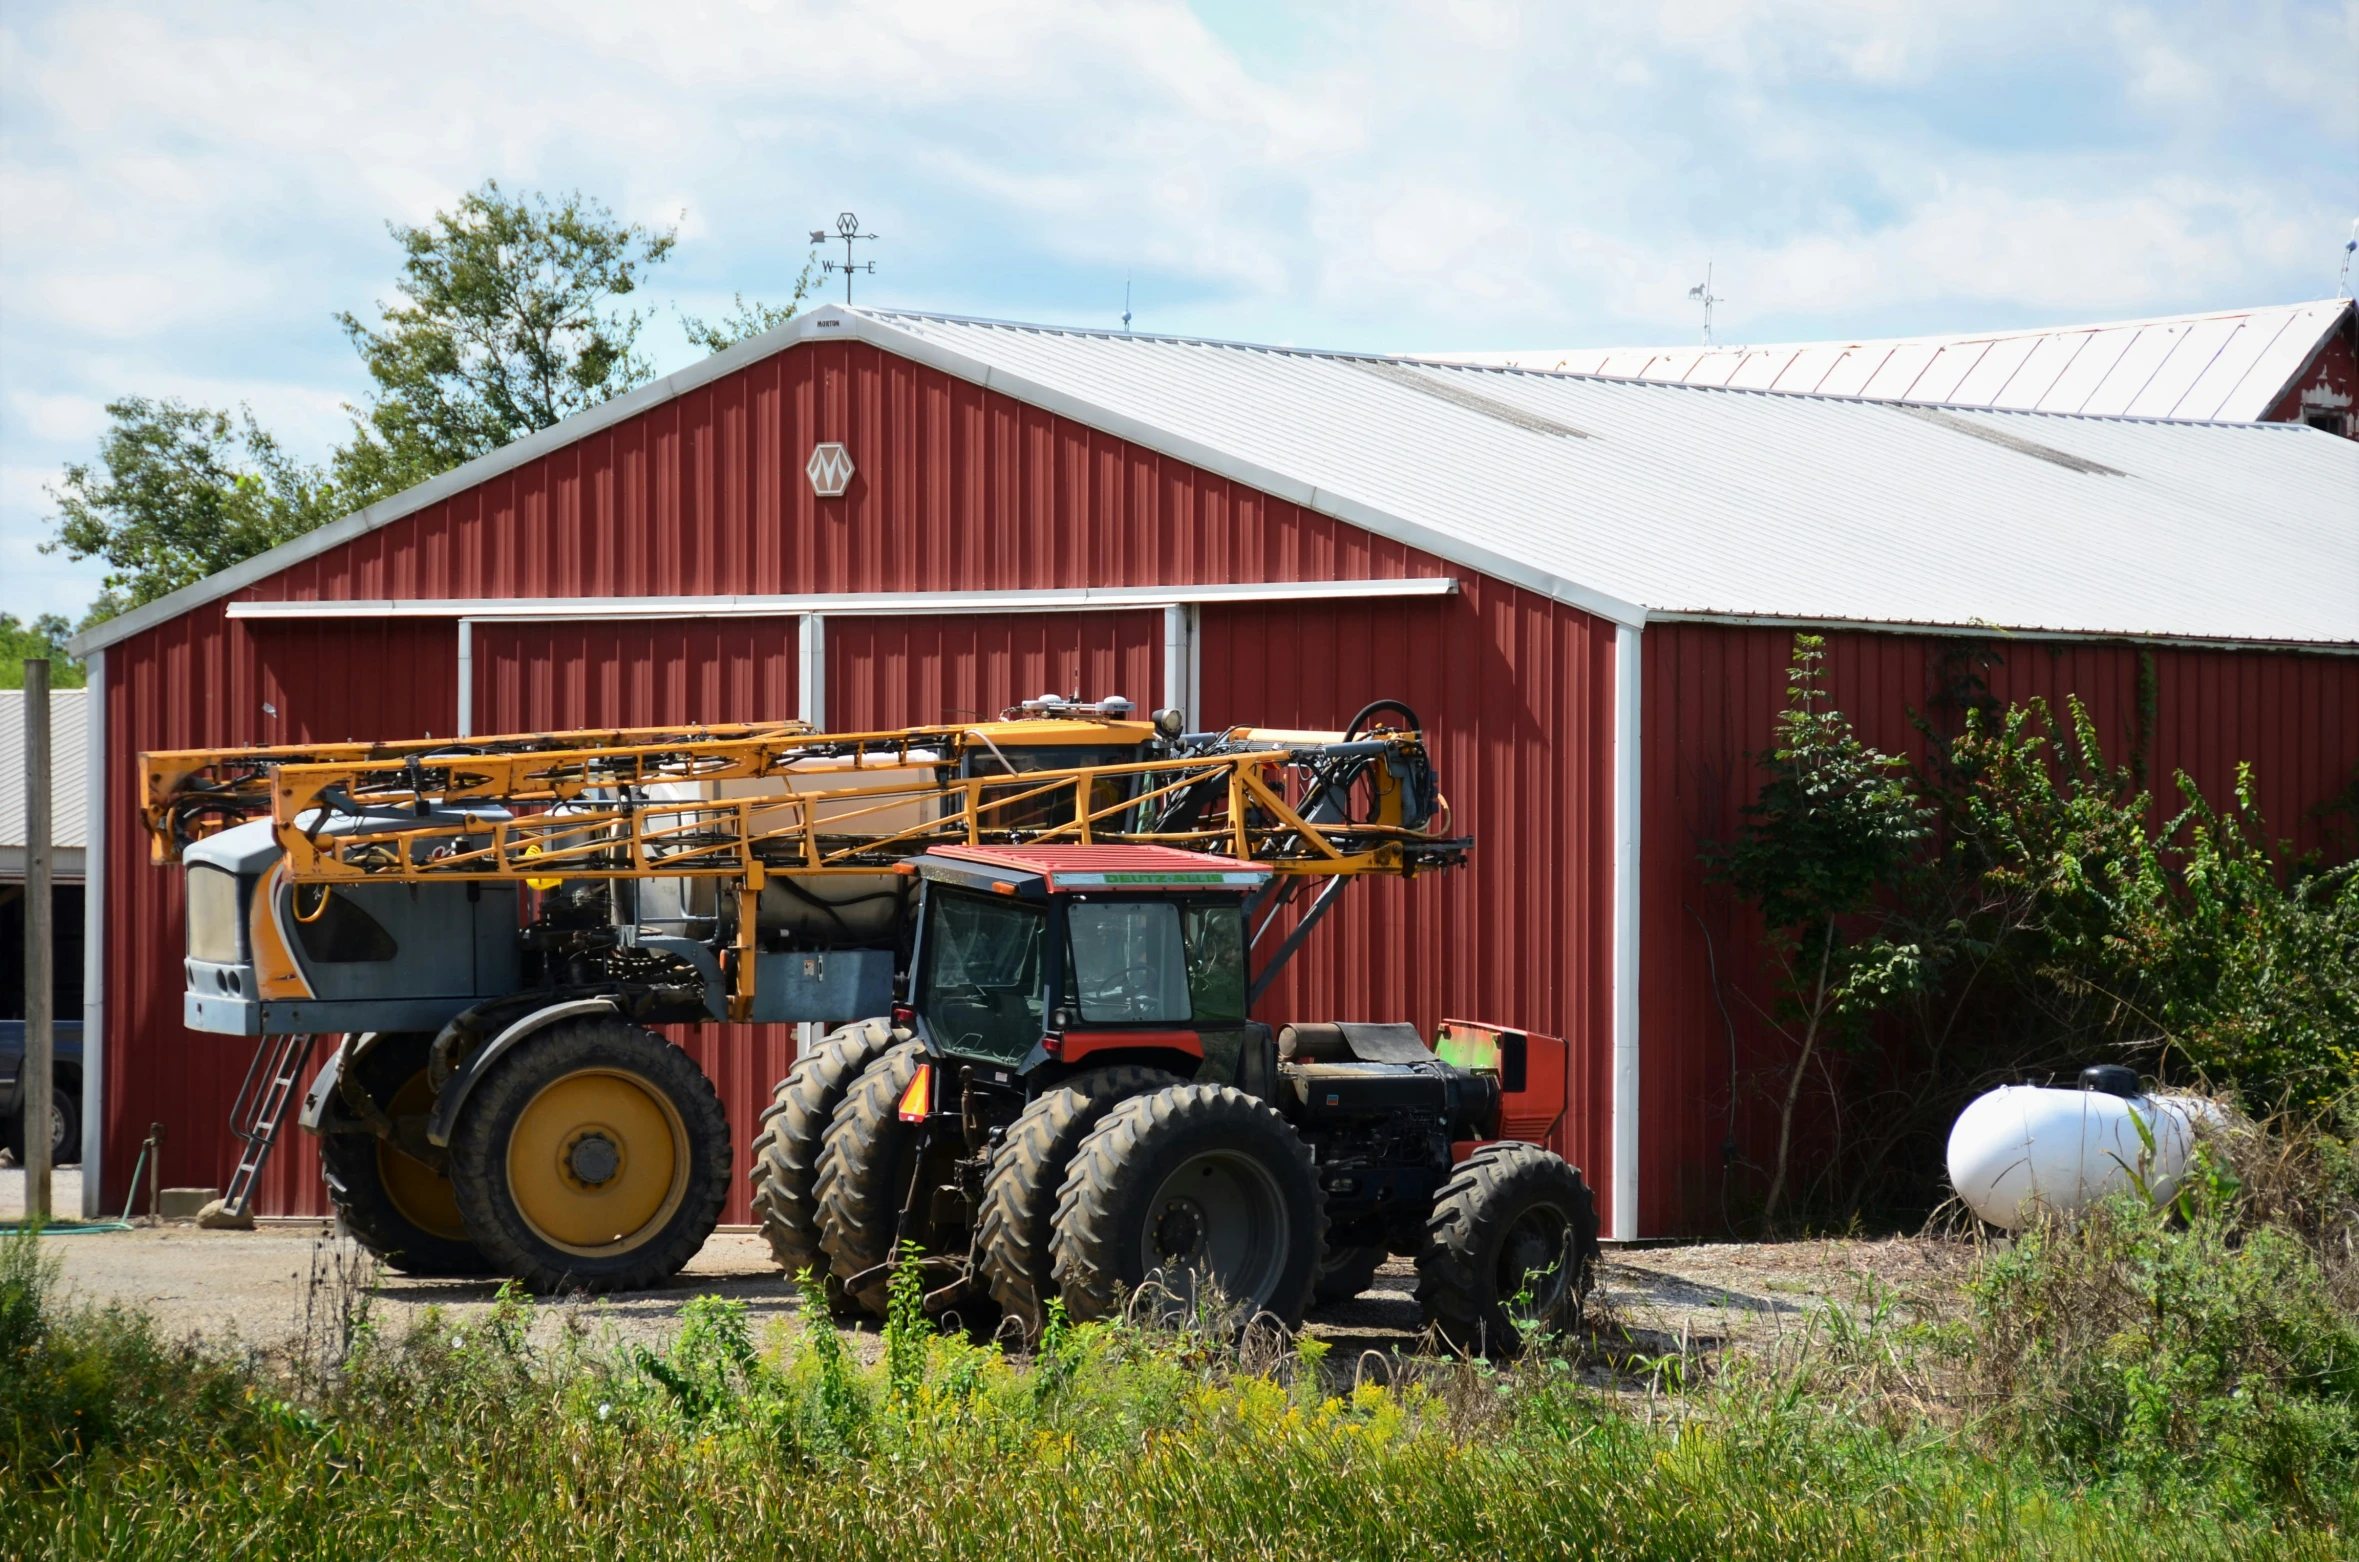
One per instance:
(2221, 955)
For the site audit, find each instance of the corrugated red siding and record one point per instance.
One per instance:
(1517, 692)
(201, 680)
(1712, 694)
(958, 489)
(911, 672)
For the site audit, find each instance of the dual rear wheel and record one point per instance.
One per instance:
(1115, 1182)
(1126, 1183)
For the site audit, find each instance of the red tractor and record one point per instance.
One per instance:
(1071, 1103)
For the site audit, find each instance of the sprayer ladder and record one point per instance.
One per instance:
(261, 1110)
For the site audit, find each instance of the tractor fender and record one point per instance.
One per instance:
(453, 1094)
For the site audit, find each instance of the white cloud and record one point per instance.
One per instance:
(187, 195)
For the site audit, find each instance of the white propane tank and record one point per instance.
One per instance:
(2021, 1148)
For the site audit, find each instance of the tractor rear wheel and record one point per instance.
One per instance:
(1510, 1249)
(1344, 1272)
(866, 1160)
(594, 1157)
(397, 1206)
(786, 1154)
(1027, 1173)
(1198, 1189)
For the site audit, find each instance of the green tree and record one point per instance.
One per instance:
(1823, 850)
(179, 492)
(746, 320)
(44, 636)
(509, 320)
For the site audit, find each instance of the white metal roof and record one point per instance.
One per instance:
(1636, 499)
(68, 795)
(2230, 366)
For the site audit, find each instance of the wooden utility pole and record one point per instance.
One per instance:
(40, 946)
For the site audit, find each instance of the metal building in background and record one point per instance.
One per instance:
(1587, 588)
(2286, 363)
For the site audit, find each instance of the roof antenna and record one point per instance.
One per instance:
(2342, 288)
(847, 228)
(1126, 301)
(1703, 290)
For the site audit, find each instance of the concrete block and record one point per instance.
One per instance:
(183, 1203)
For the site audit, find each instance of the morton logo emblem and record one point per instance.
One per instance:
(831, 470)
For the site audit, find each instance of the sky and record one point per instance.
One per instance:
(190, 193)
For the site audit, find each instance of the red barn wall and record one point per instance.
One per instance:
(958, 488)
(1712, 694)
(2322, 395)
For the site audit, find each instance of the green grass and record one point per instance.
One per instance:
(503, 1438)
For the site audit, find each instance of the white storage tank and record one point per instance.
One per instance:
(2022, 1148)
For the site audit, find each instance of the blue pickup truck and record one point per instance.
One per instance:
(65, 1117)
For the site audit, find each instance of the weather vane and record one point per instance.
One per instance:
(1703, 290)
(847, 228)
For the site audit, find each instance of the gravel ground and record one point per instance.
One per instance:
(267, 1286)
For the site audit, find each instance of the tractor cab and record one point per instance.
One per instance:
(1032, 958)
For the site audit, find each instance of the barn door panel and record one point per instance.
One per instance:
(927, 669)
(633, 673)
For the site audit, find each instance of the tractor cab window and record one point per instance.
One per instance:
(1214, 932)
(985, 985)
(1129, 963)
(1049, 809)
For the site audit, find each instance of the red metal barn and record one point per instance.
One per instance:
(1586, 587)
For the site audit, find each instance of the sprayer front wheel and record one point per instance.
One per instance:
(595, 1157)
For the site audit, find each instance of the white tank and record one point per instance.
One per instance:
(2022, 1148)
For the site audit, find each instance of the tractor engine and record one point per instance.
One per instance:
(1380, 1112)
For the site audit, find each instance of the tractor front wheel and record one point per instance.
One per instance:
(1510, 1249)
(594, 1157)
(1200, 1191)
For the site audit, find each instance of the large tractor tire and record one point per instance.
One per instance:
(1197, 1188)
(786, 1154)
(1510, 1250)
(1344, 1272)
(592, 1157)
(865, 1162)
(398, 1207)
(1028, 1172)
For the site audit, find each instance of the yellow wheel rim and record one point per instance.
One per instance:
(421, 1194)
(597, 1163)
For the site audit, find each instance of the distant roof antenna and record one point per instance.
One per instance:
(1126, 302)
(847, 228)
(1703, 290)
(2342, 288)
